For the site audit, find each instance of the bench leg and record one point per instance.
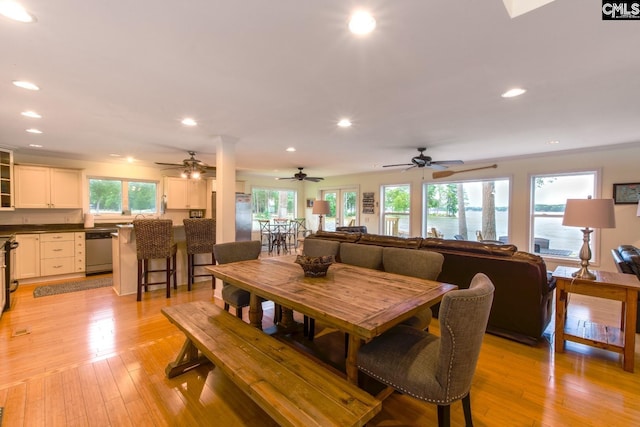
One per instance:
(187, 359)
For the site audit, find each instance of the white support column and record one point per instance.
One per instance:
(225, 189)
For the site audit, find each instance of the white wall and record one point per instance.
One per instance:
(616, 165)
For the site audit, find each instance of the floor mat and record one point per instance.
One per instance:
(63, 288)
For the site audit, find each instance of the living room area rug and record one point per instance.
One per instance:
(78, 285)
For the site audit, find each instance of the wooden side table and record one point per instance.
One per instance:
(608, 285)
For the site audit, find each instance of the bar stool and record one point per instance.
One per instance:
(154, 240)
(201, 236)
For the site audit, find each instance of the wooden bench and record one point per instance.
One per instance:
(292, 388)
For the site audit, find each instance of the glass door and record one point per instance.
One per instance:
(343, 208)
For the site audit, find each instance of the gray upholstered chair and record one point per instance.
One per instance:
(415, 263)
(200, 234)
(233, 252)
(435, 369)
(367, 256)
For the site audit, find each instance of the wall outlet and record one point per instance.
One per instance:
(25, 220)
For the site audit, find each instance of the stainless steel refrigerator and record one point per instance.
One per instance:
(243, 215)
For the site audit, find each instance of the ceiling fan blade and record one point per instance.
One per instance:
(410, 167)
(178, 165)
(437, 166)
(400, 164)
(313, 179)
(449, 162)
(290, 178)
(444, 174)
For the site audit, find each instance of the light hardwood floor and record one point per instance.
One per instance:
(92, 358)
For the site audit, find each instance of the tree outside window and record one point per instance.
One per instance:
(115, 196)
(269, 203)
(396, 210)
(472, 210)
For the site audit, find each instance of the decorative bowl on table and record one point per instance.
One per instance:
(315, 266)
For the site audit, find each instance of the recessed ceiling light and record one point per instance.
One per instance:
(189, 122)
(513, 92)
(291, 149)
(32, 130)
(13, 10)
(130, 159)
(114, 155)
(555, 141)
(344, 123)
(25, 85)
(31, 114)
(35, 145)
(362, 23)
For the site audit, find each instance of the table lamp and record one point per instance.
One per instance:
(594, 213)
(320, 207)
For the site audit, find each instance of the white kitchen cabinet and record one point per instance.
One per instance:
(57, 254)
(44, 187)
(28, 256)
(79, 255)
(184, 193)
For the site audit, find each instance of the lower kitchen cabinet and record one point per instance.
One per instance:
(50, 254)
(28, 256)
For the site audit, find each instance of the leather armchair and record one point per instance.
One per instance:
(627, 259)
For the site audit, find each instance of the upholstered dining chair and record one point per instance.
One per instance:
(200, 234)
(430, 368)
(233, 252)
(154, 240)
(415, 263)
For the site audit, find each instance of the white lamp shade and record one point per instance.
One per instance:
(592, 213)
(320, 207)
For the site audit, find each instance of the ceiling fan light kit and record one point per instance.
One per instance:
(192, 168)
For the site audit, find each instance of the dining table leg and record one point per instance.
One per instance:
(255, 311)
(351, 365)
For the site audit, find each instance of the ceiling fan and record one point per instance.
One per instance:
(191, 167)
(421, 161)
(301, 176)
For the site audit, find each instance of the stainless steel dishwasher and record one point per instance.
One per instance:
(98, 250)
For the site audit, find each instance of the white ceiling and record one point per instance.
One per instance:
(118, 76)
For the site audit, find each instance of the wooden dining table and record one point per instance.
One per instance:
(359, 301)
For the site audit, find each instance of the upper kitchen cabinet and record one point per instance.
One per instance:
(44, 187)
(184, 193)
(6, 179)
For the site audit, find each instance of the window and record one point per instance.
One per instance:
(269, 203)
(396, 216)
(120, 197)
(549, 196)
(467, 210)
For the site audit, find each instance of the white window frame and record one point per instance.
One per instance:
(124, 182)
(595, 236)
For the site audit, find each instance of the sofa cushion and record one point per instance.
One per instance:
(410, 262)
(390, 241)
(332, 235)
(361, 255)
(469, 246)
(320, 247)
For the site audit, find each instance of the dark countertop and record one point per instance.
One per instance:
(52, 228)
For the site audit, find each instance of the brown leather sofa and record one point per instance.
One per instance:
(522, 305)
